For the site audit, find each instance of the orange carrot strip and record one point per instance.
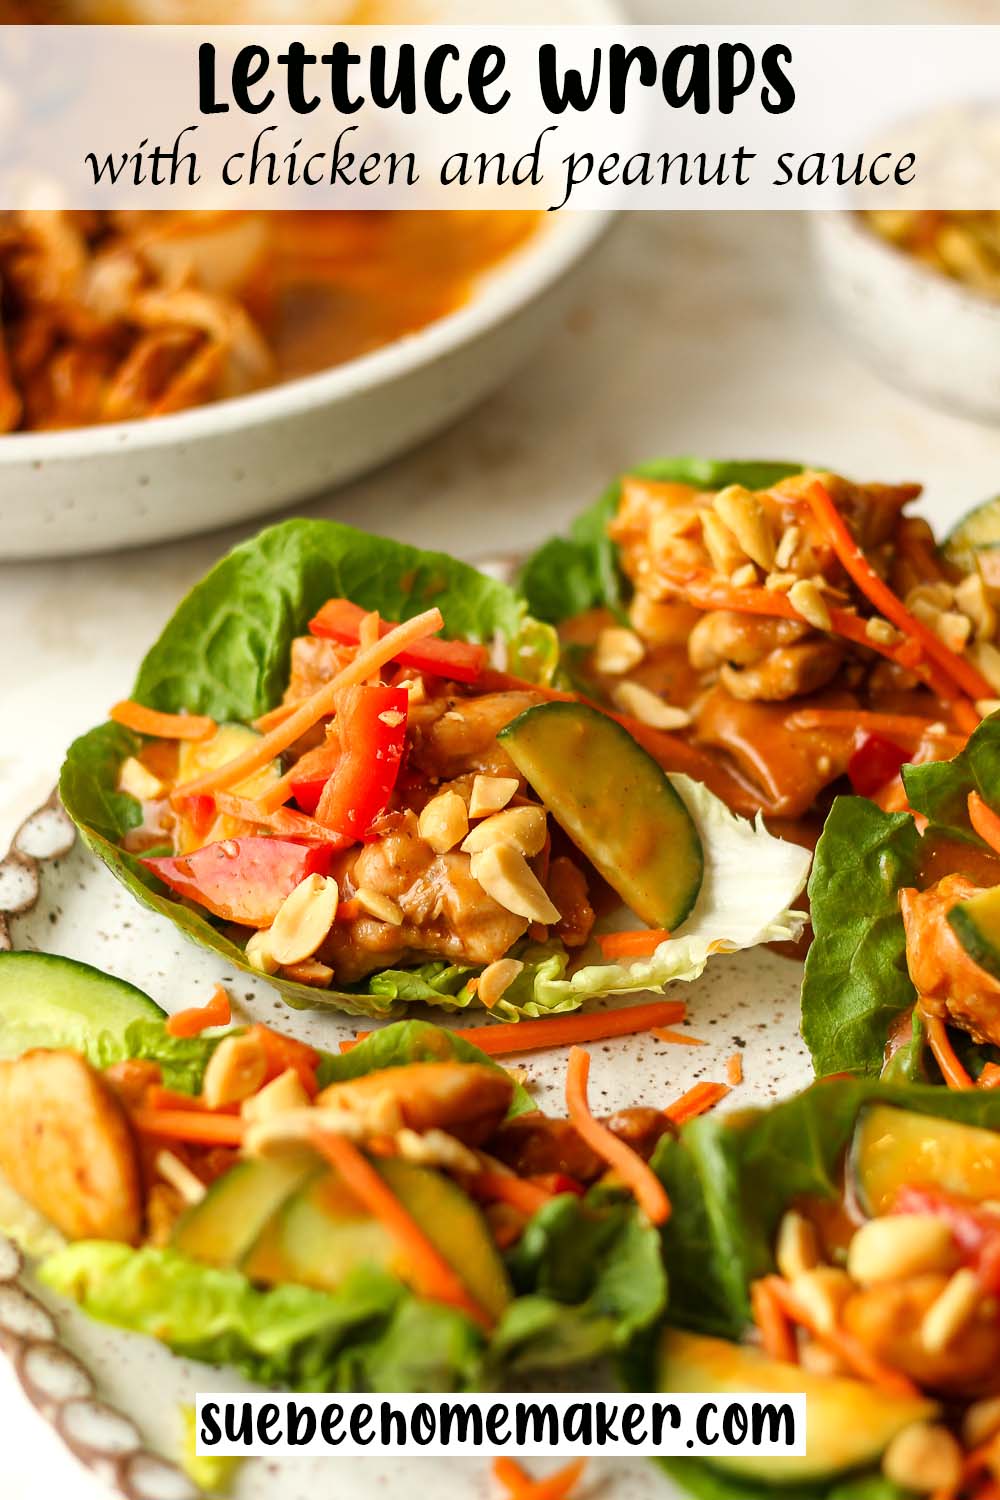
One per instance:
(856, 565)
(939, 1042)
(734, 1069)
(158, 1097)
(433, 1276)
(276, 716)
(989, 1078)
(200, 1127)
(284, 1052)
(504, 1187)
(681, 1038)
(702, 1097)
(558, 1031)
(520, 1486)
(283, 820)
(777, 1336)
(198, 1018)
(896, 726)
(315, 707)
(641, 1180)
(985, 821)
(633, 944)
(161, 726)
(853, 1353)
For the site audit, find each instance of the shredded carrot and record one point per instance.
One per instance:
(198, 1018)
(276, 716)
(317, 706)
(989, 1078)
(161, 726)
(520, 1486)
(681, 1038)
(503, 1187)
(283, 820)
(939, 1042)
(702, 1097)
(633, 944)
(504, 1037)
(431, 1273)
(900, 727)
(158, 1097)
(199, 1126)
(854, 1354)
(284, 1052)
(985, 821)
(962, 672)
(734, 1069)
(637, 1175)
(777, 1336)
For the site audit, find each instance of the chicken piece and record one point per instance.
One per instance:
(949, 983)
(886, 1319)
(446, 913)
(763, 659)
(66, 1146)
(313, 662)
(566, 887)
(461, 736)
(469, 1100)
(534, 1145)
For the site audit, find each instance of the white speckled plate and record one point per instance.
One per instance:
(54, 895)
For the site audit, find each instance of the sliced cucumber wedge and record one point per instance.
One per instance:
(894, 1148)
(850, 1423)
(50, 1001)
(222, 1227)
(976, 537)
(615, 803)
(976, 923)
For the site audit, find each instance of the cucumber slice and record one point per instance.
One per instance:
(976, 923)
(196, 757)
(321, 1234)
(616, 804)
(893, 1148)
(850, 1423)
(50, 1001)
(976, 537)
(221, 1228)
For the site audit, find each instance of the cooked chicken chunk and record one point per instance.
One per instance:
(949, 983)
(467, 1099)
(453, 736)
(762, 659)
(66, 1146)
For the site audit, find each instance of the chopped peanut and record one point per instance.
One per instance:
(950, 1313)
(807, 601)
(377, 905)
(259, 955)
(900, 1245)
(745, 516)
(823, 1291)
(744, 577)
(179, 1176)
(444, 822)
(276, 1098)
(981, 1421)
(720, 543)
(504, 873)
(490, 794)
(924, 1458)
(523, 828)
(617, 651)
(236, 1069)
(797, 1249)
(642, 703)
(973, 600)
(309, 971)
(496, 978)
(304, 918)
(134, 779)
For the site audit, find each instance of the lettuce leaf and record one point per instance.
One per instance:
(225, 653)
(589, 1276)
(940, 789)
(576, 572)
(856, 981)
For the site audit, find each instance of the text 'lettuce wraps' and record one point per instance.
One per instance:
(343, 766)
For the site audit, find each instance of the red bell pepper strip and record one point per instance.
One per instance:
(874, 763)
(461, 661)
(242, 880)
(372, 729)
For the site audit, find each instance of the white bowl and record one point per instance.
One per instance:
(924, 332)
(121, 485)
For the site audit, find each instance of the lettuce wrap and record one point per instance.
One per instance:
(225, 654)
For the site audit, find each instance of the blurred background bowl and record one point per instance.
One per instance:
(932, 336)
